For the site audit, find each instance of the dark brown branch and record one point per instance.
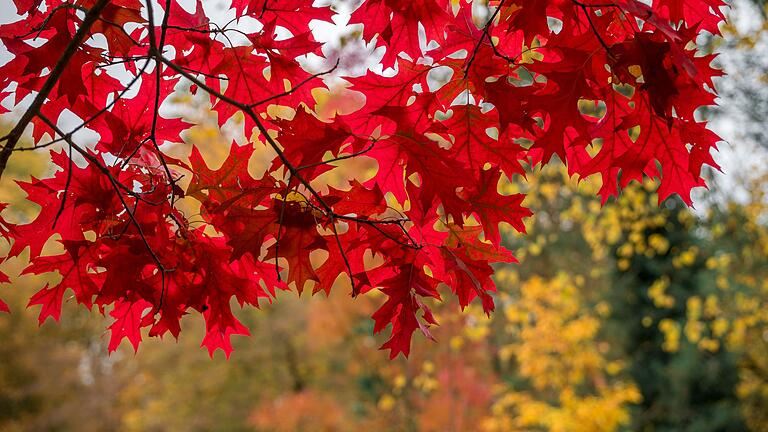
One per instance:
(39, 29)
(339, 158)
(595, 5)
(98, 113)
(115, 184)
(154, 46)
(482, 37)
(279, 230)
(594, 28)
(293, 170)
(255, 118)
(298, 86)
(66, 189)
(13, 137)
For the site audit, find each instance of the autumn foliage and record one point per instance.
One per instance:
(458, 101)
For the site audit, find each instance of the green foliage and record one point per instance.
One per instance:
(684, 387)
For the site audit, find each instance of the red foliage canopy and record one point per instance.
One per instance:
(609, 87)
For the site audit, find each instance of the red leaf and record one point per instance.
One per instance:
(452, 100)
(493, 208)
(128, 323)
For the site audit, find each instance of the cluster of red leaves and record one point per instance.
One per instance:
(609, 87)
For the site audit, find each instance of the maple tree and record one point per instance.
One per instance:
(609, 88)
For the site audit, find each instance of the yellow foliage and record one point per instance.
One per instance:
(550, 323)
(671, 331)
(657, 293)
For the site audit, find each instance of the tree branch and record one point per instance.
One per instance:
(13, 137)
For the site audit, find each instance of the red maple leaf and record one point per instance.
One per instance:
(456, 99)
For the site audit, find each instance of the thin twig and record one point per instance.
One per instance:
(34, 109)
